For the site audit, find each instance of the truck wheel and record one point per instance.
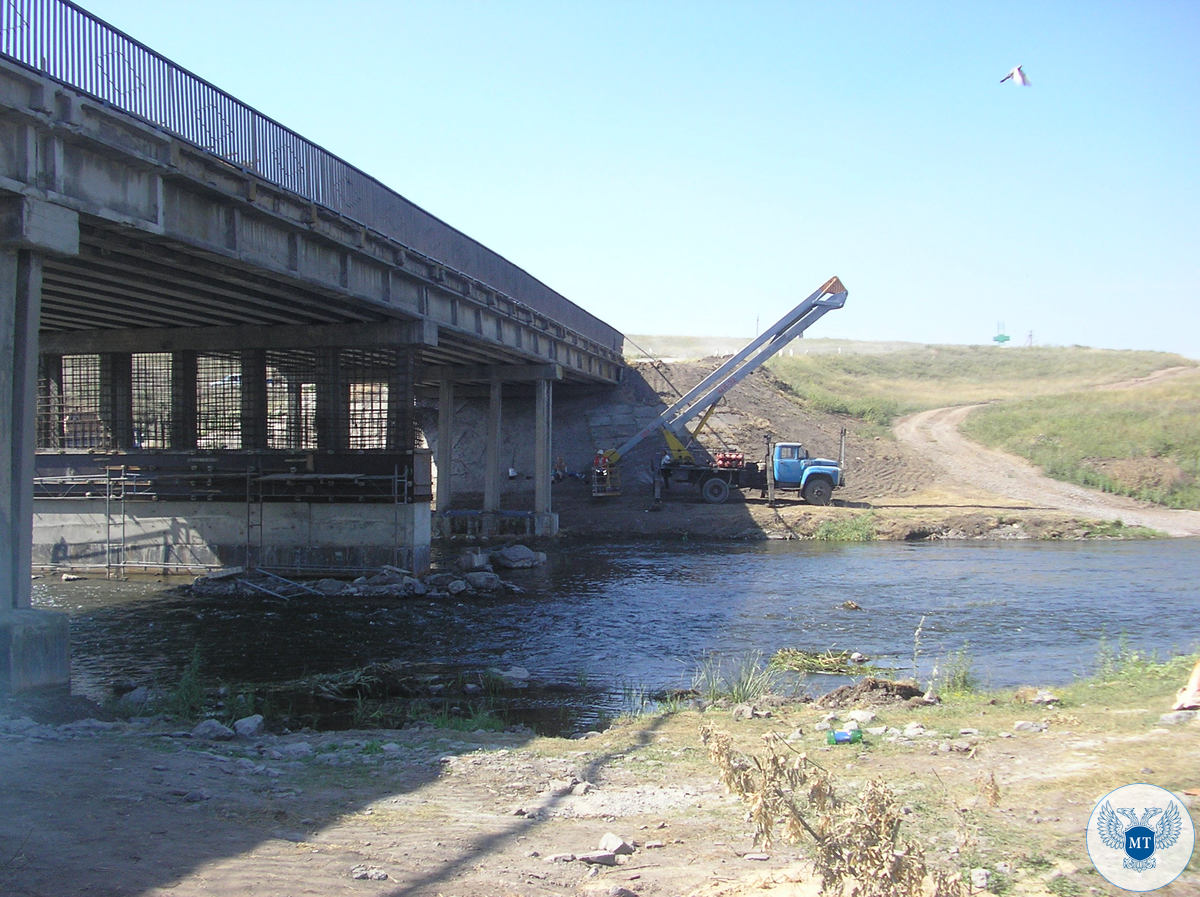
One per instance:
(818, 491)
(715, 491)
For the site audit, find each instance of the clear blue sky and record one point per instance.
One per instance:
(695, 167)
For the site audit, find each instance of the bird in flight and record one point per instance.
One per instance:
(1018, 76)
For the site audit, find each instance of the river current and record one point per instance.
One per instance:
(607, 620)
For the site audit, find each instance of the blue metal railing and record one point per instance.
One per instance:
(68, 44)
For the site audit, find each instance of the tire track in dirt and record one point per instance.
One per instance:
(936, 436)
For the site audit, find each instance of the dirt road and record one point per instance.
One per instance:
(967, 464)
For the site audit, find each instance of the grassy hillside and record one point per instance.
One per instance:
(1141, 442)
(880, 387)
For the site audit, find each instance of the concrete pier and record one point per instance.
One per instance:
(34, 645)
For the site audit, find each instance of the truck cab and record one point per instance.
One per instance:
(814, 478)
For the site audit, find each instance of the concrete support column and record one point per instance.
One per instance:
(34, 644)
(116, 398)
(254, 399)
(51, 429)
(543, 408)
(491, 468)
(20, 304)
(445, 446)
(401, 401)
(333, 401)
(184, 372)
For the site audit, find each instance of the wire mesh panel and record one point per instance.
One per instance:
(152, 407)
(50, 412)
(366, 374)
(219, 401)
(346, 399)
(291, 400)
(81, 426)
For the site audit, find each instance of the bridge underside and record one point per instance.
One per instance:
(208, 368)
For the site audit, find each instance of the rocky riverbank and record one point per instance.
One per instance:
(995, 788)
(474, 574)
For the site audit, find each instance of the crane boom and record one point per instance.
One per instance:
(830, 295)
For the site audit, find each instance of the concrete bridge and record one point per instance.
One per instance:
(224, 343)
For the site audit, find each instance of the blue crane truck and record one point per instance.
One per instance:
(787, 466)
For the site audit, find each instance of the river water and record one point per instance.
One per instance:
(599, 622)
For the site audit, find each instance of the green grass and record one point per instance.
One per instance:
(460, 719)
(879, 387)
(956, 676)
(1119, 664)
(186, 699)
(1143, 442)
(736, 680)
(859, 528)
(1062, 886)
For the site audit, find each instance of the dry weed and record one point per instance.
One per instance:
(776, 785)
(859, 851)
(989, 789)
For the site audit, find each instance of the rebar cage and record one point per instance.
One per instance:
(330, 412)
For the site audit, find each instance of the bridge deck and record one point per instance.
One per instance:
(197, 210)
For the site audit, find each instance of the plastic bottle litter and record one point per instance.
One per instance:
(842, 736)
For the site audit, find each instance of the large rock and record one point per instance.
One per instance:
(484, 582)
(136, 700)
(474, 559)
(515, 557)
(249, 726)
(211, 730)
(615, 844)
(1178, 716)
(513, 677)
(861, 716)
